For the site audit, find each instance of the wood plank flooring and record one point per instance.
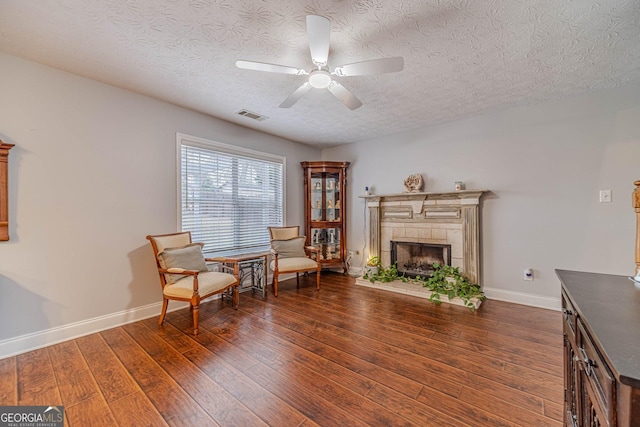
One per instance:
(344, 356)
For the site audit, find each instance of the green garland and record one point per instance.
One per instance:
(445, 280)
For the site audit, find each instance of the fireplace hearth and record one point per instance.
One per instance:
(414, 259)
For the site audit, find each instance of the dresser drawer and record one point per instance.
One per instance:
(597, 373)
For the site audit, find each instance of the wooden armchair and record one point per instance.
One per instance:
(184, 275)
(290, 255)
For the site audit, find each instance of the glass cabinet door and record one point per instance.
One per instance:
(327, 240)
(317, 199)
(325, 197)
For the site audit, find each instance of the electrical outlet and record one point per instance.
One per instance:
(528, 275)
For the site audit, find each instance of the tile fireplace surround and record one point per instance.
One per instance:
(442, 218)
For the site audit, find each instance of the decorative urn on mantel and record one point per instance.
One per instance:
(442, 218)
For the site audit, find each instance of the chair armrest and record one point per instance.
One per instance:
(312, 252)
(219, 265)
(274, 258)
(176, 270)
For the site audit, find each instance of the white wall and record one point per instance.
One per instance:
(544, 166)
(92, 173)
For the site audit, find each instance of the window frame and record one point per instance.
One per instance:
(232, 150)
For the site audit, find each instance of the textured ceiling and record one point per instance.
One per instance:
(462, 57)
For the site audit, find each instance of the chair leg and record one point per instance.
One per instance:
(236, 297)
(195, 319)
(275, 285)
(165, 303)
(298, 280)
(318, 280)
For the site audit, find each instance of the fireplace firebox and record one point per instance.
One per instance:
(416, 259)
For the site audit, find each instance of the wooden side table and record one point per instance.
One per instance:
(251, 269)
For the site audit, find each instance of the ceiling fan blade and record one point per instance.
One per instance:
(319, 31)
(296, 95)
(374, 66)
(272, 68)
(344, 95)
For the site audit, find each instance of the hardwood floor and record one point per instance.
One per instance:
(344, 356)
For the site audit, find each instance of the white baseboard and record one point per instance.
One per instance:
(36, 340)
(522, 298)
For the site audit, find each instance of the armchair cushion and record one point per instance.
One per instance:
(294, 264)
(188, 257)
(209, 282)
(290, 248)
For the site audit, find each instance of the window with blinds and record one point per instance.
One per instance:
(229, 195)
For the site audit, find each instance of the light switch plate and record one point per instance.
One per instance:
(605, 196)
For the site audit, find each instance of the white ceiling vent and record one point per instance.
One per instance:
(252, 115)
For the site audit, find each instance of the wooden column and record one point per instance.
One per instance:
(636, 206)
(4, 190)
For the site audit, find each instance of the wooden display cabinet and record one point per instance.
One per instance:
(325, 209)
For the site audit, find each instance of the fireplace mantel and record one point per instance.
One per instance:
(434, 217)
(461, 194)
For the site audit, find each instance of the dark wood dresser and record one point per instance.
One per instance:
(601, 323)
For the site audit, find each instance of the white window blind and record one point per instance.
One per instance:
(228, 195)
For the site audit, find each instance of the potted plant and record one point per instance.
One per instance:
(385, 275)
(372, 267)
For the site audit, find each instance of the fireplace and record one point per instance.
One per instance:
(451, 219)
(416, 259)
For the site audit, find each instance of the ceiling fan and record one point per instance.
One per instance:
(319, 31)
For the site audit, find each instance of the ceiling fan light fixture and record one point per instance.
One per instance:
(319, 32)
(320, 79)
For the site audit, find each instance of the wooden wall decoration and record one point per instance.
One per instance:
(4, 190)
